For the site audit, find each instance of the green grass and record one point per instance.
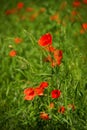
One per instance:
(28, 69)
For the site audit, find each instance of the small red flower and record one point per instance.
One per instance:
(76, 3)
(7, 12)
(85, 1)
(20, 5)
(39, 91)
(44, 116)
(29, 93)
(44, 85)
(18, 40)
(84, 25)
(61, 109)
(55, 93)
(10, 11)
(12, 53)
(45, 40)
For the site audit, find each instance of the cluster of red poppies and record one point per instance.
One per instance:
(45, 42)
(77, 3)
(19, 6)
(55, 56)
(30, 93)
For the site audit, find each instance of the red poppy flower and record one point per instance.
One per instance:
(76, 3)
(44, 85)
(61, 109)
(84, 25)
(7, 12)
(29, 94)
(55, 93)
(10, 11)
(39, 91)
(12, 53)
(18, 40)
(45, 40)
(85, 1)
(44, 116)
(20, 5)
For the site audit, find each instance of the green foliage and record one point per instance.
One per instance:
(28, 69)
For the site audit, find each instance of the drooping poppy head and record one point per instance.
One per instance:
(45, 40)
(44, 116)
(61, 109)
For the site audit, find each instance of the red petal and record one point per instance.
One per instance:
(45, 40)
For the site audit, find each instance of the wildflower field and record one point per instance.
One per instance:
(43, 65)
